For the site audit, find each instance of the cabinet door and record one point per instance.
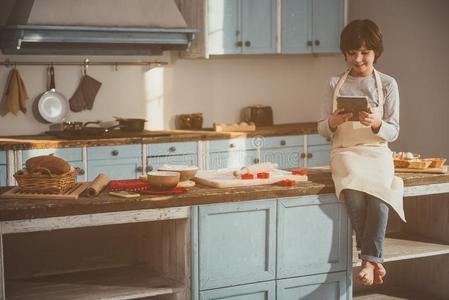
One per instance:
(328, 21)
(232, 159)
(224, 26)
(259, 26)
(287, 158)
(318, 156)
(236, 243)
(312, 236)
(3, 175)
(117, 162)
(324, 286)
(256, 291)
(296, 26)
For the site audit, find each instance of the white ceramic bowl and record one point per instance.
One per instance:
(186, 172)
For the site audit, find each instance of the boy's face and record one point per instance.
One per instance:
(360, 61)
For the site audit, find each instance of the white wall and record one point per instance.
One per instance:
(416, 41)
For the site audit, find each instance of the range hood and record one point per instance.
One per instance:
(95, 27)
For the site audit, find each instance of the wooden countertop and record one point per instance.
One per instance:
(47, 141)
(320, 183)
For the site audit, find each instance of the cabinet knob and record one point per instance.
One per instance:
(247, 44)
(139, 169)
(114, 152)
(239, 44)
(149, 168)
(309, 155)
(309, 43)
(231, 145)
(256, 160)
(172, 149)
(303, 155)
(81, 172)
(283, 142)
(328, 139)
(317, 42)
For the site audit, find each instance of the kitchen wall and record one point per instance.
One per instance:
(416, 38)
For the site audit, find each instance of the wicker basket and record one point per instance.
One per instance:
(46, 183)
(401, 163)
(419, 163)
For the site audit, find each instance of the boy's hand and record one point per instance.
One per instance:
(338, 117)
(370, 119)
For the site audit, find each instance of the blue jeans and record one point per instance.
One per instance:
(369, 217)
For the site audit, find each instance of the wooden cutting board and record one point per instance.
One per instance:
(224, 178)
(441, 170)
(73, 193)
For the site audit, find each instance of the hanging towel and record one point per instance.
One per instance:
(16, 94)
(85, 94)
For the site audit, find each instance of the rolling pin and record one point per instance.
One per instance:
(256, 168)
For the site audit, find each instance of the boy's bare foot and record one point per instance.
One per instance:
(366, 274)
(379, 273)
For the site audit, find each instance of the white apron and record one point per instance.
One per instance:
(362, 161)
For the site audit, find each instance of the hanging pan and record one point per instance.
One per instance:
(51, 106)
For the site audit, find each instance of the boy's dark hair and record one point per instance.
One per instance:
(360, 33)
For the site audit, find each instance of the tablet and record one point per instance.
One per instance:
(353, 104)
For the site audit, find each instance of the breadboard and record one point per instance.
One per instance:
(243, 126)
(441, 170)
(224, 178)
(72, 193)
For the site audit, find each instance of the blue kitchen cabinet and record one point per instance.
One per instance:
(312, 236)
(332, 286)
(311, 26)
(236, 244)
(256, 291)
(286, 151)
(241, 26)
(232, 153)
(318, 151)
(177, 153)
(74, 156)
(3, 169)
(117, 162)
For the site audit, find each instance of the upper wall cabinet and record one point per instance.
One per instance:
(311, 26)
(241, 26)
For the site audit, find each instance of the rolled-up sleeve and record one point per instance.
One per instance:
(389, 129)
(326, 110)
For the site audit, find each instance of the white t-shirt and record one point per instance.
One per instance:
(366, 86)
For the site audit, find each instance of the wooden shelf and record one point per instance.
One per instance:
(401, 246)
(113, 283)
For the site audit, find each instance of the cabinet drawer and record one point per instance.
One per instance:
(113, 152)
(302, 251)
(256, 291)
(68, 154)
(282, 141)
(286, 158)
(2, 158)
(232, 145)
(324, 286)
(172, 148)
(120, 168)
(318, 156)
(237, 243)
(234, 159)
(316, 139)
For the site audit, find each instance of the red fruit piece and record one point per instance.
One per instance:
(263, 175)
(302, 172)
(247, 176)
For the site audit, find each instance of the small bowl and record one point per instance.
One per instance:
(163, 180)
(186, 172)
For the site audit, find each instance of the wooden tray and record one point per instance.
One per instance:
(441, 170)
(72, 193)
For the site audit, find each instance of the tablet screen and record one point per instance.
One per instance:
(354, 104)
